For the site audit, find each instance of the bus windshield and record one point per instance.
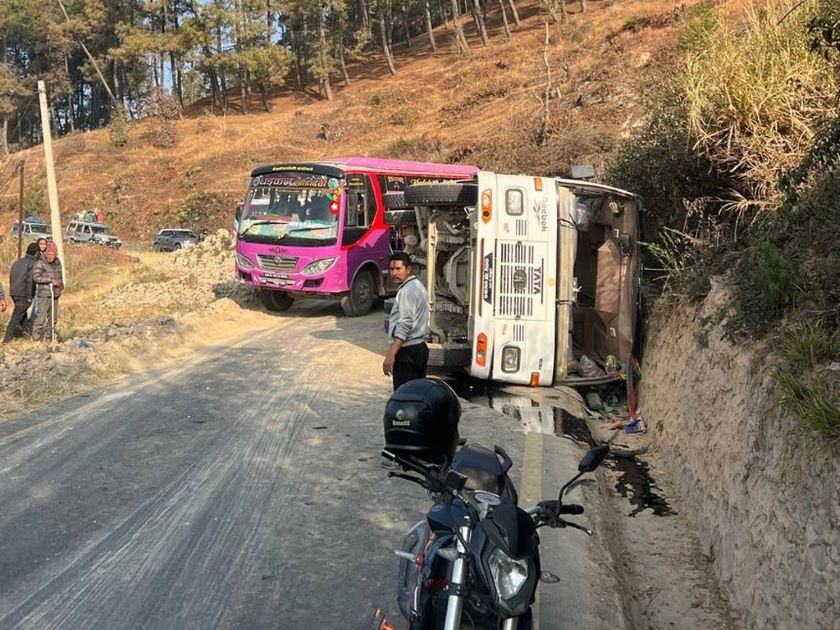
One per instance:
(298, 208)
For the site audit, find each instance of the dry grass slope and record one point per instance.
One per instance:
(481, 108)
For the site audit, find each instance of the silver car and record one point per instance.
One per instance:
(94, 233)
(31, 231)
(168, 240)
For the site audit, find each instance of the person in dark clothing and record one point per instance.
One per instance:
(20, 288)
(47, 274)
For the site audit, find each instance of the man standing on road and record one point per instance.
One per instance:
(20, 288)
(48, 276)
(408, 353)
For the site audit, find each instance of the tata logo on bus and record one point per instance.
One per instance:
(487, 278)
(541, 210)
(536, 281)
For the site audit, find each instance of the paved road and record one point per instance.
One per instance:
(241, 489)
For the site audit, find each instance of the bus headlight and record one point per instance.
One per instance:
(318, 267)
(510, 358)
(244, 261)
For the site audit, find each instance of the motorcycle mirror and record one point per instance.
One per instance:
(593, 458)
(455, 481)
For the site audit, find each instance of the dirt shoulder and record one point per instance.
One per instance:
(666, 580)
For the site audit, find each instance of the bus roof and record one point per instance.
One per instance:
(380, 165)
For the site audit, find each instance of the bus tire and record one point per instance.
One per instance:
(360, 298)
(442, 194)
(400, 217)
(277, 301)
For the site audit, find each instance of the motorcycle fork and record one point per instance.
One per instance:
(457, 582)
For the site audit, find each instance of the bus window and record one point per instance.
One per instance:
(361, 208)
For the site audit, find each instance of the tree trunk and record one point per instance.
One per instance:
(365, 13)
(71, 114)
(429, 29)
(583, 6)
(460, 38)
(514, 11)
(223, 92)
(504, 19)
(264, 96)
(340, 53)
(478, 17)
(322, 51)
(4, 141)
(406, 26)
(383, 33)
(214, 89)
(297, 55)
(243, 90)
(546, 98)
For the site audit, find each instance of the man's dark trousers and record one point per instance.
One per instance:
(18, 318)
(410, 363)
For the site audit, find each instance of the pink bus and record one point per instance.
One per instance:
(324, 229)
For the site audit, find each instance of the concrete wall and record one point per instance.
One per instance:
(763, 495)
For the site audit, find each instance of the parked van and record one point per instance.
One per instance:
(30, 230)
(94, 233)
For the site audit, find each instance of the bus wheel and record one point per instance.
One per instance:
(277, 301)
(360, 298)
(442, 194)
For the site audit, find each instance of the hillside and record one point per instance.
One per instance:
(483, 108)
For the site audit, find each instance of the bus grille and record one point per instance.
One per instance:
(282, 264)
(520, 280)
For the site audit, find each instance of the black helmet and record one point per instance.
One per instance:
(421, 419)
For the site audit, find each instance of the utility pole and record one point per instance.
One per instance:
(52, 188)
(19, 169)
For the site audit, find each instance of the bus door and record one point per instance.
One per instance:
(516, 286)
(360, 213)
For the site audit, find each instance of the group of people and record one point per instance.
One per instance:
(35, 282)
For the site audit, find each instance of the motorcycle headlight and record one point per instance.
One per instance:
(509, 574)
(319, 266)
(244, 261)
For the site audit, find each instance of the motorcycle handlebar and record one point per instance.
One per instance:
(556, 508)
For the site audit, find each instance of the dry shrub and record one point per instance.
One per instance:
(205, 123)
(754, 99)
(424, 148)
(387, 98)
(73, 144)
(162, 134)
(549, 153)
(120, 128)
(162, 104)
(84, 256)
(472, 93)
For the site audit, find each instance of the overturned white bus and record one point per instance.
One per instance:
(531, 280)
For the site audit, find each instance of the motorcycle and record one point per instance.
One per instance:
(474, 561)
